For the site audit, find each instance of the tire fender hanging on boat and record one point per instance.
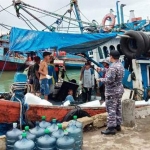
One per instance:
(106, 17)
(146, 41)
(132, 52)
(78, 112)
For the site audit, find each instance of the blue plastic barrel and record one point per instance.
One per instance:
(30, 136)
(59, 133)
(46, 142)
(53, 127)
(24, 143)
(44, 123)
(37, 131)
(65, 143)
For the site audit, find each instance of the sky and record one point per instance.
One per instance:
(91, 10)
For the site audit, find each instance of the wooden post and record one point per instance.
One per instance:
(128, 113)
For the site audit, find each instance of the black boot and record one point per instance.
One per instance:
(109, 131)
(118, 128)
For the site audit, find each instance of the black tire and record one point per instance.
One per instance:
(146, 41)
(149, 42)
(134, 52)
(78, 112)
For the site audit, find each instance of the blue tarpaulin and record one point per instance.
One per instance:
(23, 40)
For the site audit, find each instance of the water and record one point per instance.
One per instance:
(7, 78)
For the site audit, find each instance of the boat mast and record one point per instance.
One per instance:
(78, 17)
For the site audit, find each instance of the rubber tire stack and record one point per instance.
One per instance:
(141, 47)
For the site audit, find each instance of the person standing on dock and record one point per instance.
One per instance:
(87, 81)
(113, 92)
(43, 70)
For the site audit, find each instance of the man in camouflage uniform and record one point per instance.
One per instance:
(113, 92)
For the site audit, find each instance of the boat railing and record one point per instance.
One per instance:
(12, 59)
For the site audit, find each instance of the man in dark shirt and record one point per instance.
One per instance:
(36, 75)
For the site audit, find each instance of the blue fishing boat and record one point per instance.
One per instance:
(10, 61)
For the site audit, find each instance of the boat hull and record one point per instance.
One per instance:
(11, 66)
(10, 112)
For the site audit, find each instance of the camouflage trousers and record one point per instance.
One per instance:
(113, 108)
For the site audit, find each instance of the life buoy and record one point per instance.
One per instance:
(108, 16)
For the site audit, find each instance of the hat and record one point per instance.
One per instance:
(46, 54)
(107, 61)
(115, 54)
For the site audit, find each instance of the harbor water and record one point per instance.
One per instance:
(6, 79)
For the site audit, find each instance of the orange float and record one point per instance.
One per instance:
(60, 53)
(112, 18)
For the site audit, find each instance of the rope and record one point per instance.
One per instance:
(4, 26)
(50, 15)
(69, 23)
(53, 11)
(26, 22)
(84, 16)
(5, 8)
(4, 64)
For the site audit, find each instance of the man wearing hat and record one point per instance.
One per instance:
(105, 63)
(113, 92)
(43, 70)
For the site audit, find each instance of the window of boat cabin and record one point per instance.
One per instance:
(111, 48)
(119, 49)
(100, 52)
(105, 52)
(5, 51)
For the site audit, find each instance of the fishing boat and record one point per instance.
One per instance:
(34, 111)
(59, 112)
(16, 62)
(77, 44)
(10, 61)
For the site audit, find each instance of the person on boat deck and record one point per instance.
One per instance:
(62, 70)
(113, 92)
(43, 70)
(51, 72)
(83, 68)
(36, 75)
(102, 86)
(30, 76)
(87, 82)
(57, 71)
(69, 97)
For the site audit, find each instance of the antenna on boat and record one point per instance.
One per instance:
(118, 16)
(121, 11)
